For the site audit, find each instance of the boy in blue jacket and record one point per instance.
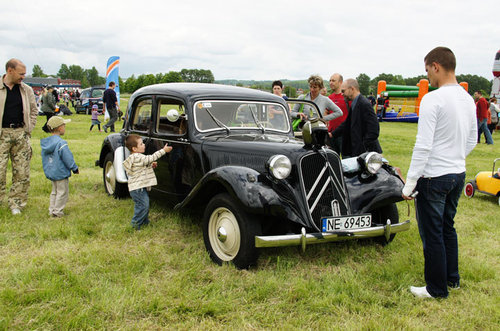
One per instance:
(58, 162)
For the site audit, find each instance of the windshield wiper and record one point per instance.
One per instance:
(257, 121)
(219, 123)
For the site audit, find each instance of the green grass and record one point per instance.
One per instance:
(89, 270)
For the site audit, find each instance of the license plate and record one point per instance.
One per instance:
(330, 224)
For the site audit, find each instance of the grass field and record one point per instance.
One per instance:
(90, 270)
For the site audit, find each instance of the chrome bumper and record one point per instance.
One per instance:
(304, 238)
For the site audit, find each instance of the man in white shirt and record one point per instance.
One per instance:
(447, 133)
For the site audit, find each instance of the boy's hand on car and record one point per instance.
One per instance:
(167, 148)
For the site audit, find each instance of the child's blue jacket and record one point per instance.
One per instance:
(57, 159)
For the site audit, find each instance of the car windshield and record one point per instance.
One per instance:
(97, 93)
(213, 115)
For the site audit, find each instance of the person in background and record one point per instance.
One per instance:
(55, 93)
(482, 118)
(95, 118)
(324, 91)
(328, 109)
(337, 97)
(372, 99)
(361, 129)
(58, 163)
(380, 107)
(277, 87)
(18, 112)
(48, 106)
(141, 177)
(446, 134)
(494, 110)
(112, 106)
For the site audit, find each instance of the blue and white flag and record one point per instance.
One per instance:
(112, 76)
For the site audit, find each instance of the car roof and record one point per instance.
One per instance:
(206, 91)
(94, 88)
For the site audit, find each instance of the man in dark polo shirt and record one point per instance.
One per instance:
(111, 102)
(18, 113)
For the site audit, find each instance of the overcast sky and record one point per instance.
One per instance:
(261, 40)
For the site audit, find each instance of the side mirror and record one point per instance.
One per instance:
(173, 115)
(314, 133)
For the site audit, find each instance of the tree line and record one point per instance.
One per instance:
(367, 85)
(90, 77)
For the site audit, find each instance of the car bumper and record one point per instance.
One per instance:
(304, 238)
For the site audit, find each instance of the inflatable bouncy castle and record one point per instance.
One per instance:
(404, 101)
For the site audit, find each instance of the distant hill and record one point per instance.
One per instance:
(265, 84)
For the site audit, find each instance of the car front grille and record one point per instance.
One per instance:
(323, 186)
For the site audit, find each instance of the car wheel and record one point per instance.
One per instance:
(229, 232)
(469, 189)
(381, 215)
(112, 187)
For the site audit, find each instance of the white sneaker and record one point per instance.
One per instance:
(420, 292)
(16, 211)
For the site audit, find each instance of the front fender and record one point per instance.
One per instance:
(121, 153)
(245, 185)
(109, 145)
(378, 190)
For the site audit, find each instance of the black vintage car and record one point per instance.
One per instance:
(235, 158)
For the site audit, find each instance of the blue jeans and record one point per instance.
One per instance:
(141, 208)
(436, 206)
(482, 126)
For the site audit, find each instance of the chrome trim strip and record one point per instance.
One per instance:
(320, 194)
(319, 238)
(311, 190)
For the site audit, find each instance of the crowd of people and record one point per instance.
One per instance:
(450, 125)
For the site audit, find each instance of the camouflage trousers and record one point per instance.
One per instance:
(15, 143)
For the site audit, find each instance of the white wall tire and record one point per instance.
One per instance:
(469, 189)
(229, 232)
(224, 234)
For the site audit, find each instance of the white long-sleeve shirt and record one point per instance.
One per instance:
(447, 133)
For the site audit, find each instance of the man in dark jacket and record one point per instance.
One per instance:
(112, 106)
(360, 130)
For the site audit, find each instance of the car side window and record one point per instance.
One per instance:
(164, 125)
(142, 115)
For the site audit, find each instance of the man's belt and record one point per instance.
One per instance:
(13, 125)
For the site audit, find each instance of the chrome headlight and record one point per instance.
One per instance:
(373, 162)
(280, 166)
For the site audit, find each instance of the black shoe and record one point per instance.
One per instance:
(105, 129)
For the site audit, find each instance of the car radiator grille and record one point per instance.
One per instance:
(323, 186)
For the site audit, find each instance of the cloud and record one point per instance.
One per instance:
(251, 40)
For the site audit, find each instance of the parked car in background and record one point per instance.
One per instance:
(89, 97)
(235, 160)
